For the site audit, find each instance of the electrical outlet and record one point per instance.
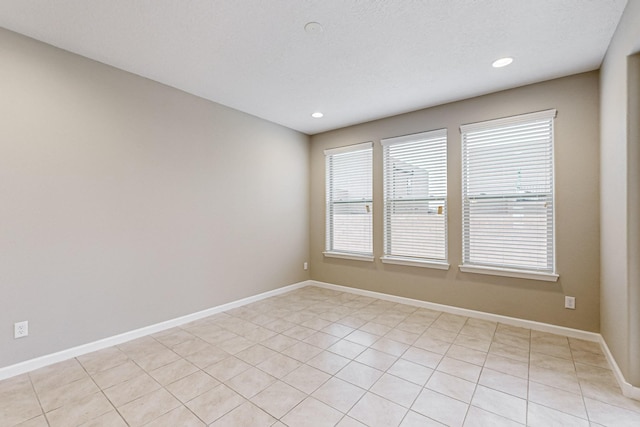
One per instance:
(21, 329)
(570, 302)
(305, 265)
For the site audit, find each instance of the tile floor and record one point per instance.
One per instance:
(315, 357)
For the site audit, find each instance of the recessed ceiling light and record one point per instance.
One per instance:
(502, 62)
(317, 115)
(313, 28)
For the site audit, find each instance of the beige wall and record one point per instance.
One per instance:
(577, 208)
(125, 202)
(620, 185)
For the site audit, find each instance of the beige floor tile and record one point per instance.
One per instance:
(361, 375)
(207, 357)
(312, 413)
(337, 330)
(321, 340)
(173, 336)
(375, 328)
(18, 406)
(215, 403)
(554, 378)
(610, 395)
(328, 362)
(246, 414)
(302, 351)
(148, 407)
(552, 362)
(117, 375)
(255, 354)
(227, 368)
(499, 403)
(486, 325)
(458, 368)
(110, 419)
(173, 371)
(278, 399)
(474, 343)
(477, 332)
(179, 416)
(555, 398)
(259, 334)
(102, 360)
(541, 416)
(542, 345)
(339, 394)
(347, 349)
(306, 378)
(131, 389)
(595, 375)
(375, 411)
(362, 338)
(53, 398)
(250, 382)
(590, 346)
(440, 334)
(39, 421)
(609, 415)
(235, 345)
(192, 385)
(79, 412)
(466, 354)
(396, 390)
(401, 336)
(509, 351)
(279, 325)
(422, 357)
(589, 358)
(57, 375)
(507, 366)
(157, 359)
(441, 408)
(477, 417)
(299, 332)
(349, 422)
(451, 386)
(413, 419)
(376, 359)
(279, 365)
(505, 383)
(413, 326)
(450, 322)
(411, 371)
(279, 342)
(514, 330)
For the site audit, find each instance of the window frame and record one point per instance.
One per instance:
(330, 204)
(391, 200)
(546, 274)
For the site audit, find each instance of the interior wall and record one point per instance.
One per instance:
(577, 215)
(126, 203)
(619, 185)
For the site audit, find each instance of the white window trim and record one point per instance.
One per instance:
(346, 255)
(414, 262)
(441, 264)
(506, 272)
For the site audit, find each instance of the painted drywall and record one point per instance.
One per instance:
(620, 304)
(125, 202)
(577, 208)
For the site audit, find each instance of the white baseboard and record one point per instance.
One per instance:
(50, 359)
(628, 389)
(530, 324)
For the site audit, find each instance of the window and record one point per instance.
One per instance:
(507, 197)
(349, 225)
(415, 199)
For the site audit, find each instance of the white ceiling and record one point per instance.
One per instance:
(373, 58)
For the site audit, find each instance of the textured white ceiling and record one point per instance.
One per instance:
(373, 59)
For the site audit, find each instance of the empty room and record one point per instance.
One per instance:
(319, 213)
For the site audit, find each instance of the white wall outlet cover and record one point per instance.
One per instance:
(570, 302)
(21, 329)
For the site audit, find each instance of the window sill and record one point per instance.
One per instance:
(353, 257)
(414, 262)
(493, 271)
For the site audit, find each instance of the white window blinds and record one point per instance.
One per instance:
(349, 213)
(507, 191)
(415, 196)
